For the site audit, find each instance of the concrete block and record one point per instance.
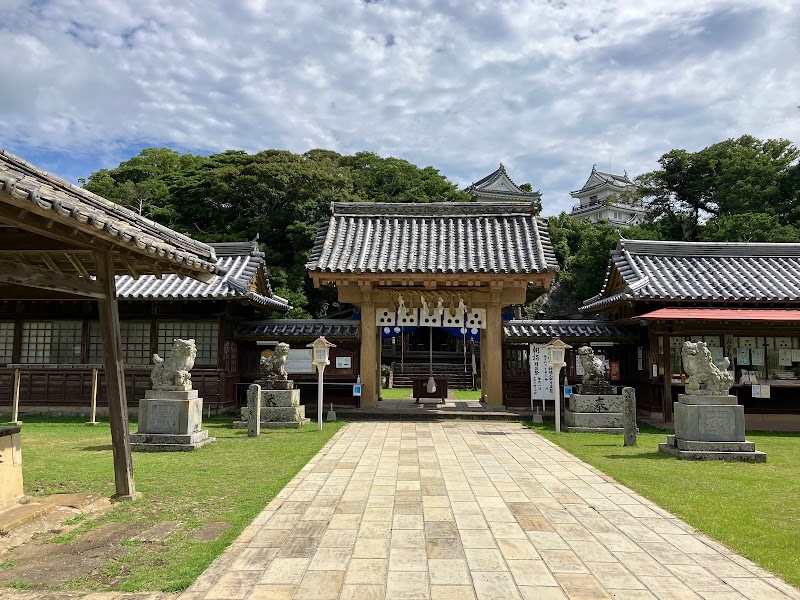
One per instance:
(283, 413)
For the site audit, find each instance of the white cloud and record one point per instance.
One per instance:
(547, 87)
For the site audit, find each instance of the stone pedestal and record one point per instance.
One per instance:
(594, 413)
(710, 427)
(10, 466)
(280, 409)
(170, 421)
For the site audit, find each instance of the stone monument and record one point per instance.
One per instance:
(709, 422)
(596, 408)
(280, 401)
(171, 414)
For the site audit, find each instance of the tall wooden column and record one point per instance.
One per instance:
(369, 351)
(115, 379)
(492, 352)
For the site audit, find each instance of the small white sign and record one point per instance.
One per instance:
(567, 391)
(356, 389)
(299, 361)
(343, 362)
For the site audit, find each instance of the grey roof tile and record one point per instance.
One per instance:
(300, 329)
(237, 263)
(588, 330)
(90, 212)
(702, 272)
(459, 238)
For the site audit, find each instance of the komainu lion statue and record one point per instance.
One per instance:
(173, 373)
(274, 367)
(700, 368)
(594, 371)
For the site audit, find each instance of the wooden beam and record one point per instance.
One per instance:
(36, 277)
(129, 267)
(115, 379)
(49, 262)
(79, 267)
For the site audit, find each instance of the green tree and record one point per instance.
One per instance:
(731, 177)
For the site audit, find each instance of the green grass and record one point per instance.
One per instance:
(231, 481)
(403, 393)
(396, 393)
(752, 508)
(467, 394)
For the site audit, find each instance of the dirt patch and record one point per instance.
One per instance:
(210, 531)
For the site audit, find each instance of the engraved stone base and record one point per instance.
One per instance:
(616, 430)
(713, 451)
(278, 407)
(593, 420)
(275, 384)
(597, 403)
(709, 422)
(170, 412)
(709, 427)
(165, 442)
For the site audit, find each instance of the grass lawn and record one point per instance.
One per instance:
(752, 508)
(402, 393)
(230, 481)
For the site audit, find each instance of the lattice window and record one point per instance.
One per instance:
(135, 337)
(51, 342)
(204, 333)
(6, 341)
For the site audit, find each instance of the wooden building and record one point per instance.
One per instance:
(742, 299)
(59, 242)
(53, 345)
(441, 265)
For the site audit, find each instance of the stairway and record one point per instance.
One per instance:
(454, 372)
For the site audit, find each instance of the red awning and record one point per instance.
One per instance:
(721, 314)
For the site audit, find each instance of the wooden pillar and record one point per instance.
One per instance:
(15, 401)
(492, 352)
(115, 379)
(667, 379)
(378, 354)
(369, 352)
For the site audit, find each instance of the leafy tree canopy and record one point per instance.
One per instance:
(275, 194)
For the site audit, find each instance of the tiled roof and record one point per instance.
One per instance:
(238, 264)
(619, 181)
(303, 329)
(701, 272)
(566, 329)
(91, 213)
(459, 238)
(484, 186)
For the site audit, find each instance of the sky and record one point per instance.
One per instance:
(547, 87)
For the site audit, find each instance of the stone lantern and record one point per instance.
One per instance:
(556, 351)
(320, 353)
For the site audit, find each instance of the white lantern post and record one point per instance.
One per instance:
(320, 350)
(556, 351)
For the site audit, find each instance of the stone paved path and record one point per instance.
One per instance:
(469, 509)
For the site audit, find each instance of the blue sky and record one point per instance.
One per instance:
(547, 87)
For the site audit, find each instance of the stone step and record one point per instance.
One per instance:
(753, 457)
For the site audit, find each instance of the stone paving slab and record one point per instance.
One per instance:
(485, 510)
(451, 510)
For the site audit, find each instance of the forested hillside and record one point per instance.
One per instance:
(738, 190)
(275, 194)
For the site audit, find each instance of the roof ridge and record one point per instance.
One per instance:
(445, 209)
(681, 248)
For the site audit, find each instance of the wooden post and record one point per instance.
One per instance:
(93, 419)
(667, 380)
(369, 355)
(629, 415)
(115, 379)
(15, 408)
(492, 353)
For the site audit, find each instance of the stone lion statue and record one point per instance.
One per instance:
(700, 368)
(173, 373)
(594, 371)
(274, 367)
